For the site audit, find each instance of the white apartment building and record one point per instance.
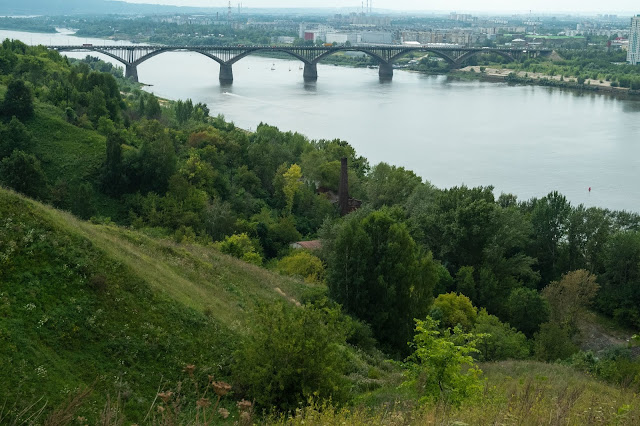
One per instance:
(633, 54)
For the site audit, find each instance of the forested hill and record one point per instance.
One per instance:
(134, 291)
(86, 7)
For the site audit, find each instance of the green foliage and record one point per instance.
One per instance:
(501, 341)
(292, 184)
(241, 246)
(292, 354)
(553, 342)
(437, 367)
(18, 101)
(570, 297)
(620, 294)
(453, 310)
(14, 135)
(390, 185)
(527, 310)
(302, 264)
(22, 172)
(379, 274)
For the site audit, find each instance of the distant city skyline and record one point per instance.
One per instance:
(488, 6)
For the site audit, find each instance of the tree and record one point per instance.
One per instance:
(465, 283)
(501, 341)
(113, 180)
(436, 366)
(452, 310)
(152, 109)
(620, 293)
(553, 343)
(22, 172)
(292, 354)
(379, 274)
(14, 136)
(550, 218)
(569, 297)
(157, 157)
(390, 185)
(18, 101)
(292, 184)
(527, 310)
(241, 246)
(302, 264)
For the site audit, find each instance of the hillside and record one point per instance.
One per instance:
(96, 305)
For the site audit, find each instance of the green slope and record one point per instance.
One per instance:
(84, 304)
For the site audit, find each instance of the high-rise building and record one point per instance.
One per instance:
(633, 55)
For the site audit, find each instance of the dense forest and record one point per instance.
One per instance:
(464, 275)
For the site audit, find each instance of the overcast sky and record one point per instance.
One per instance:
(536, 6)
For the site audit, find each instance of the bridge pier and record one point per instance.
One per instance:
(386, 71)
(131, 71)
(310, 72)
(226, 73)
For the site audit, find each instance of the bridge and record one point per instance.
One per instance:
(226, 56)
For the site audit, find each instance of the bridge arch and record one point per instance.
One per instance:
(267, 49)
(96, 50)
(435, 51)
(350, 49)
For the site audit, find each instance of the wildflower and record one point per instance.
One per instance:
(203, 403)
(244, 405)
(224, 413)
(160, 409)
(189, 369)
(221, 388)
(245, 417)
(165, 396)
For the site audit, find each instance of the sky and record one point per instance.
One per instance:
(536, 6)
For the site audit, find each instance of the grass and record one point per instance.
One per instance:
(516, 393)
(98, 306)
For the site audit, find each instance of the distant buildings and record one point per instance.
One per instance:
(633, 54)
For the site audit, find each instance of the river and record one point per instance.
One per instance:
(524, 140)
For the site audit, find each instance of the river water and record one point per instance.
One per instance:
(523, 140)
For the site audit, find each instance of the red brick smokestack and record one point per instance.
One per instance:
(343, 191)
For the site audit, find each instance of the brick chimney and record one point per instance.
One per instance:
(343, 191)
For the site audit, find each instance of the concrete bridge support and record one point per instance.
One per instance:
(226, 73)
(131, 71)
(386, 71)
(310, 72)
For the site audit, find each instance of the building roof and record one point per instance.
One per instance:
(308, 245)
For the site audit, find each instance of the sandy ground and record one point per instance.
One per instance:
(503, 72)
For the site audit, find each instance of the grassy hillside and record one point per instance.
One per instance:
(84, 304)
(516, 393)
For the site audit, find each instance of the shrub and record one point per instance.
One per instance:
(292, 354)
(302, 264)
(501, 342)
(453, 310)
(553, 343)
(241, 246)
(436, 366)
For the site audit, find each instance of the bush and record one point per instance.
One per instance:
(292, 354)
(302, 264)
(18, 101)
(553, 343)
(527, 310)
(241, 246)
(453, 310)
(501, 342)
(23, 173)
(436, 366)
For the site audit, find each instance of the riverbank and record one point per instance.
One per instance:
(539, 79)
